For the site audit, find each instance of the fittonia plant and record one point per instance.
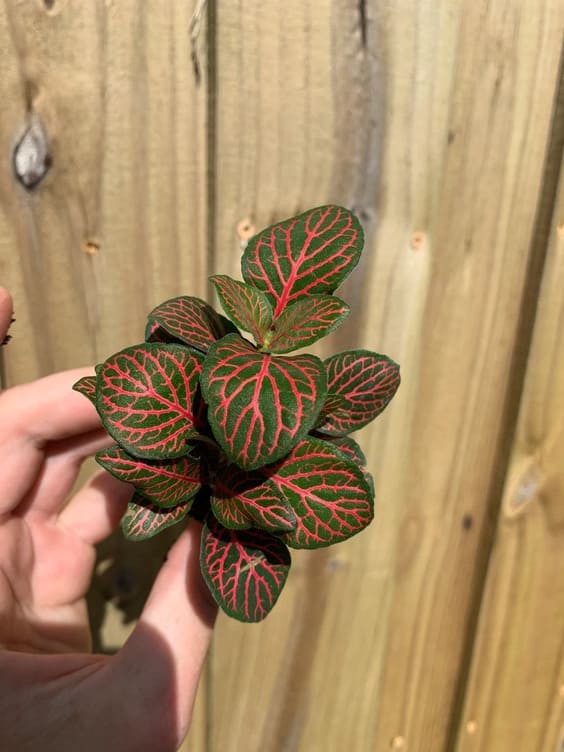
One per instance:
(240, 434)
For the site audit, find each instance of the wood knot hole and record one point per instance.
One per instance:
(32, 158)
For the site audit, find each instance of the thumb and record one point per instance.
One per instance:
(167, 648)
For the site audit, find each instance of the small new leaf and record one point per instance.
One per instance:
(87, 386)
(246, 306)
(189, 320)
(306, 321)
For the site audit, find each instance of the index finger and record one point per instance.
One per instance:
(47, 409)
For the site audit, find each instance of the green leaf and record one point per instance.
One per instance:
(246, 306)
(162, 482)
(347, 446)
(87, 386)
(149, 399)
(259, 405)
(242, 499)
(304, 255)
(305, 322)
(189, 320)
(143, 520)
(329, 494)
(360, 384)
(245, 570)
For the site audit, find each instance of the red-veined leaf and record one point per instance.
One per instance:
(165, 483)
(306, 321)
(242, 499)
(332, 403)
(259, 405)
(246, 306)
(189, 320)
(365, 381)
(87, 386)
(329, 495)
(149, 401)
(155, 333)
(245, 570)
(347, 445)
(308, 254)
(143, 519)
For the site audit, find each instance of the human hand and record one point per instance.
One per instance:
(53, 694)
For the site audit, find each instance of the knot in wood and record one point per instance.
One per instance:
(32, 158)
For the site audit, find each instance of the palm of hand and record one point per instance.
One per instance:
(44, 573)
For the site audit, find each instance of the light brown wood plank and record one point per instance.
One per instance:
(445, 113)
(503, 89)
(515, 696)
(119, 223)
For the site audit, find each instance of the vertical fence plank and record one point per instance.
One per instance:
(481, 228)
(515, 696)
(119, 222)
(291, 96)
(444, 109)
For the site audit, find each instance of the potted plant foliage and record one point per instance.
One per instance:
(249, 438)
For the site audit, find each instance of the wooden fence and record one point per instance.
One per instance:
(440, 123)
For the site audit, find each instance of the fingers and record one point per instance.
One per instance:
(47, 409)
(180, 615)
(59, 471)
(95, 511)
(32, 415)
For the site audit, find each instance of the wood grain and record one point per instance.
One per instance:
(366, 645)
(481, 228)
(515, 697)
(431, 119)
(119, 222)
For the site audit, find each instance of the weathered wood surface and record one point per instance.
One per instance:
(430, 118)
(444, 109)
(515, 695)
(119, 222)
